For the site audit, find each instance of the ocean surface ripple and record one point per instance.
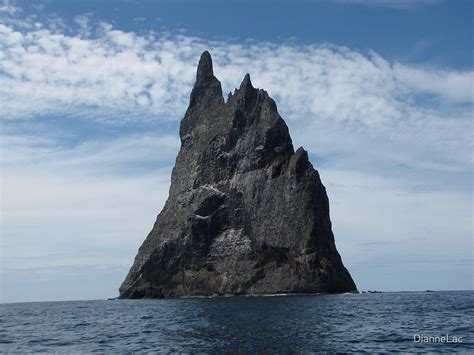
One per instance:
(381, 322)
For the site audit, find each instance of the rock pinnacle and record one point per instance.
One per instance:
(246, 214)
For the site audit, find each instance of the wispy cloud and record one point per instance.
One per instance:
(455, 86)
(109, 74)
(9, 8)
(152, 74)
(105, 156)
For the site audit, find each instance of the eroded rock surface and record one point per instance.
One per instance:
(246, 214)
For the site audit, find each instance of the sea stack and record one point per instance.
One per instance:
(246, 213)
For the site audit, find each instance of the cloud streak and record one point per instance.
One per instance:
(152, 73)
(108, 74)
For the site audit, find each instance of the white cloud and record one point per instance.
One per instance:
(8, 8)
(403, 239)
(452, 85)
(153, 73)
(73, 210)
(122, 76)
(96, 156)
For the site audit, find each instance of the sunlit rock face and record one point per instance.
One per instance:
(246, 214)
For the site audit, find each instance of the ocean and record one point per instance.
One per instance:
(375, 322)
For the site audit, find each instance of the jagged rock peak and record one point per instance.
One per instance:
(204, 71)
(246, 83)
(246, 214)
(207, 90)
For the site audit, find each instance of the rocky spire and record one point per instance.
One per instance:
(207, 88)
(246, 214)
(204, 73)
(246, 84)
(207, 92)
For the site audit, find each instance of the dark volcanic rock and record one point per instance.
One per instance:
(246, 214)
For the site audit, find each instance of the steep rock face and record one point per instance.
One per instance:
(246, 214)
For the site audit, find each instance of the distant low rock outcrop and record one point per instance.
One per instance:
(246, 214)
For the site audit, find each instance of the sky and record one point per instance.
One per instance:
(92, 92)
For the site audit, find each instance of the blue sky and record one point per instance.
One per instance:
(92, 92)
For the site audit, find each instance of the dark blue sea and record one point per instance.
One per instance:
(382, 322)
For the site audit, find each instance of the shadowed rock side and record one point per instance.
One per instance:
(246, 214)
